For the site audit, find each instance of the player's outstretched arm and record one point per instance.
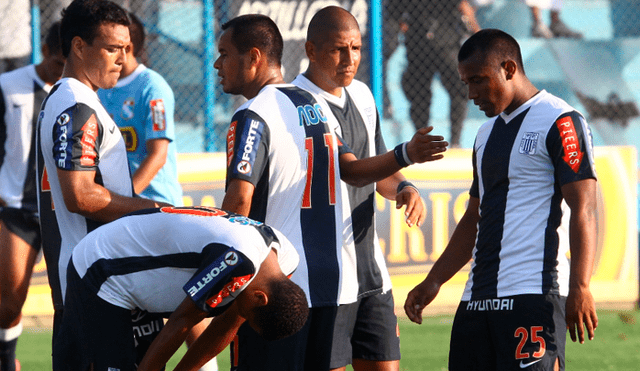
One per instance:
(455, 256)
(213, 340)
(171, 336)
(581, 309)
(82, 195)
(421, 148)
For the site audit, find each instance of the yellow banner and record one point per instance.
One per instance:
(410, 252)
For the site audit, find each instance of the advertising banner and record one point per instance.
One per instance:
(444, 185)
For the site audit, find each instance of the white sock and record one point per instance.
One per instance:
(11, 333)
(212, 365)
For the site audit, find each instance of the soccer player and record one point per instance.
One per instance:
(21, 94)
(283, 169)
(365, 332)
(142, 105)
(189, 263)
(522, 293)
(82, 162)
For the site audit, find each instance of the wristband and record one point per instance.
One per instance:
(405, 154)
(405, 183)
(401, 155)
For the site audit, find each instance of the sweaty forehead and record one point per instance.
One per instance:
(113, 34)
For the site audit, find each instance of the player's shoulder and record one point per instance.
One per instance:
(359, 87)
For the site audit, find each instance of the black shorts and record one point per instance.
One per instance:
(525, 332)
(99, 333)
(24, 224)
(307, 350)
(366, 329)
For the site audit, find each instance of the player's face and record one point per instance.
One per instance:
(335, 61)
(103, 59)
(231, 65)
(53, 67)
(488, 85)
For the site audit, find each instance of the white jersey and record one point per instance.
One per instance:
(22, 93)
(359, 127)
(153, 259)
(283, 142)
(521, 161)
(75, 134)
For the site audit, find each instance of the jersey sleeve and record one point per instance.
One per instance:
(224, 273)
(571, 150)
(159, 104)
(77, 135)
(343, 147)
(247, 147)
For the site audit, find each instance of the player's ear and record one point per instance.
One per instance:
(510, 67)
(77, 46)
(256, 57)
(309, 48)
(260, 298)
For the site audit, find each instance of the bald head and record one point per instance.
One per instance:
(330, 19)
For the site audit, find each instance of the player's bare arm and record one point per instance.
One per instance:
(82, 195)
(421, 148)
(581, 309)
(455, 256)
(157, 150)
(238, 197)
(171, 336)
(408, 196)
(213, 340)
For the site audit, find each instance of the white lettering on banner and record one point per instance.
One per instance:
(251, 137)
(293, 16)
(490, 304)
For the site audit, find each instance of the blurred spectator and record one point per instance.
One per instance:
(15, 34)
(556, 28)
(434, 32)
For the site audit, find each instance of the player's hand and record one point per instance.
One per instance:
(424, 147)
(415, 212)
(419, 298)
(581, 313)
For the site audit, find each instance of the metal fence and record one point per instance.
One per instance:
(409, 51)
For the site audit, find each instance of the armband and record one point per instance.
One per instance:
(405, 183)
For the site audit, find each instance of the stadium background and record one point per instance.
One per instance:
(599, 75)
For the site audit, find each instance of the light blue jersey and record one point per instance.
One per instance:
(142, 105)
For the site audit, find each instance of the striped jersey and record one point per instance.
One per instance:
(21, 94)
(143, 105)
(154, 258)
(359, 127)
(520, 162)
(283, 142)
(75, 134)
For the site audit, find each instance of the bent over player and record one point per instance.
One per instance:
(189, 263)
(21, 94)
(522, 292)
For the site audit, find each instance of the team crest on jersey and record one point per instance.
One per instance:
(529, 143)
(244, 167)
(127, 109)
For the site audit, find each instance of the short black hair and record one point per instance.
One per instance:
(83, 17)
(136, 31)
(256, 31)
(52, 39)
(286, 310)
(494, 42)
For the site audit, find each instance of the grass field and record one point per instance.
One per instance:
(424, 348)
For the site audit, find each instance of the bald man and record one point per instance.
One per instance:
(365, 332)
